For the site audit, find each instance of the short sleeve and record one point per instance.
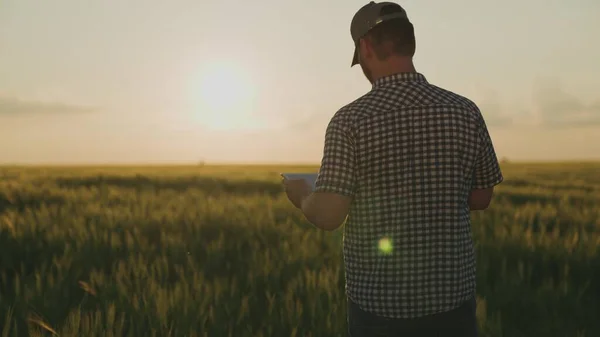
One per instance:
(338, 172)
(487, 169)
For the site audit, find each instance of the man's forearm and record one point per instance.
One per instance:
(311, 211)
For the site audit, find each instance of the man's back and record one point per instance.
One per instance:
(416, 152)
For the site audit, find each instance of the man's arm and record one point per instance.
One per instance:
(480, 199)
(487, 173)
(326, 210)
(329, 205)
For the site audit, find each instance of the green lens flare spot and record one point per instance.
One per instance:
(385, 246)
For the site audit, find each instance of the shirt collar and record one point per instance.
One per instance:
(398, 78)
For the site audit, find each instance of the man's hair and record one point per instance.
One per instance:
(396, 36)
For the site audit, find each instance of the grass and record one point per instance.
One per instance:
(219, 251)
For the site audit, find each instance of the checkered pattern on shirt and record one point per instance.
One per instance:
(408, 153)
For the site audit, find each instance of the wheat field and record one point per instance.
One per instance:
(219, 251)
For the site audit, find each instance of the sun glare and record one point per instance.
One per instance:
(226, 97)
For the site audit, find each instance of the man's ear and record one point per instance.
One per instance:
(365, 51)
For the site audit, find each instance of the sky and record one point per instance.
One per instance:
(181, 81)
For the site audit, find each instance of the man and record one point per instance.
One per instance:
(403, 165)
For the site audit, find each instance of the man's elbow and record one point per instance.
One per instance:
(479, 205)
(326, 222)
(331, 226)
(480, 199)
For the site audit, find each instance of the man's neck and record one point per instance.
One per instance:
(395, 66)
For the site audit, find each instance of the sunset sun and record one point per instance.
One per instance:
(226, 97)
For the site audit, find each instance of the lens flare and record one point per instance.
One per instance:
(385, 246)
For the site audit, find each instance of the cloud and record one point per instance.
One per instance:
(549, 106)
(493, 114)
(18, 107)
(491, 106)
(557, 108)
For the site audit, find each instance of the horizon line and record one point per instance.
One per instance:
(232, 163)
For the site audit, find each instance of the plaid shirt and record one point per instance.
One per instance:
(408, 153)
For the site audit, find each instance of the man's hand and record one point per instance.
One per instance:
(297, 191)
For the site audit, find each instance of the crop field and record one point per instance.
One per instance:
(219, 251)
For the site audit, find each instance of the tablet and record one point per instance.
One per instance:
(310, 178)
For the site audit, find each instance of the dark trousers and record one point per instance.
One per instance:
(460, 322)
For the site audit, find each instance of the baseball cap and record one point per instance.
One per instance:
(371, 15)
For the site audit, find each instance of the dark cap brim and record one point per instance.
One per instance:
(355, 57)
